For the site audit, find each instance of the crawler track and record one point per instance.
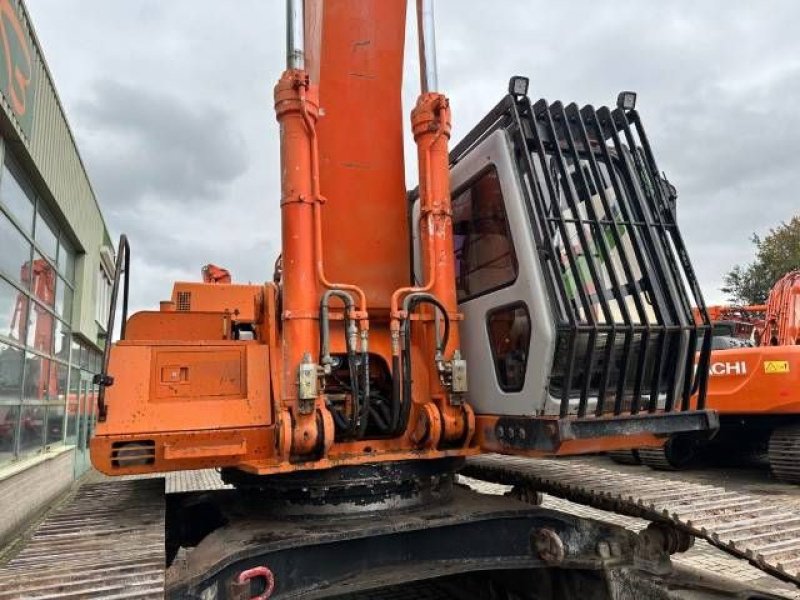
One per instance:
(106, 542)
(784, 453)
(761, 530)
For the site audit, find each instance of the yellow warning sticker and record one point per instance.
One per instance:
(776, 366)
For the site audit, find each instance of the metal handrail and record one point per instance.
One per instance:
(123, 265)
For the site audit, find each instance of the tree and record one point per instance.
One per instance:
(776, 254)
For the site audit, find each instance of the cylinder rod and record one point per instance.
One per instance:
(427, 47)
(295, 35)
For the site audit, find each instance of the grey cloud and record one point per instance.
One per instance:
(141, 143)
(718, 83)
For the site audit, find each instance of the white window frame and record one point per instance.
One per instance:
(104, 282)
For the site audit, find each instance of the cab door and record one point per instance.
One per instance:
(507, 333)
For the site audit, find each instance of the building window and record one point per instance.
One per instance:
(509, 330)
(46, 233)
(37, 273)
(16, 252)
(484, 251)
(17, 201)
(66, 259)
(11, 359)
(103, 305)
(14, 312)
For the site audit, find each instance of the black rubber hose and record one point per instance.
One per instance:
(365, 412)
(379, 419)
(383, 410)
(414, 300)
(397, 396)
(324, 317)
(339, 420)
(410, 304)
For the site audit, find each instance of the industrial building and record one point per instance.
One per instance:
(56, 268)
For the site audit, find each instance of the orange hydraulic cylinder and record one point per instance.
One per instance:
(430, 122)
(296, 106)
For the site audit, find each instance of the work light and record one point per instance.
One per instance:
(518, 85)
(626, 100)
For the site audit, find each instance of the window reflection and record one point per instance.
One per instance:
(54, 431)
(66, 260)
(13, 312)
(40, 328)
(63, 304)
(61, 337)
(16, 252)
(484, 251)
(15, 199)
(46, 236)
(37, 410)
(31, 435)
(8, 431)
(10, 373)
(42, 278)
(37, 378)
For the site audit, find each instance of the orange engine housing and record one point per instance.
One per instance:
(202, 398)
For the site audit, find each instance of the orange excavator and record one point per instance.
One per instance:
(781, 323)
(754, 384)
(215, 274)
(530, 298)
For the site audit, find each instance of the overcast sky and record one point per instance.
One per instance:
(171, 104)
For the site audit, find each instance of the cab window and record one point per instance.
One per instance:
(484, 251)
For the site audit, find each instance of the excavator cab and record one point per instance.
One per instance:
(575, 285)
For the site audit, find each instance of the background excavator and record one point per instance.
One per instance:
(533, 297)
(754, 384)
(734, 325)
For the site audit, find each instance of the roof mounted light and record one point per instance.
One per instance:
(518, 86)
(626, 100)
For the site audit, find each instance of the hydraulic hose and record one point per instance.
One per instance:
(401, 390)
(325, 358)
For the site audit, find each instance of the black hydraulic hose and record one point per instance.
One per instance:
(365, 412)
(379, 418)
(397, 394)
(407, 381)
(409, 305)
(414, 300)
(324, 317)
(339, 419)
(383, 410)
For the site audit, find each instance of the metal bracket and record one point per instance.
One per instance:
(307, 372)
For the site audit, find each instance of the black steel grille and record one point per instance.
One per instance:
(620, 283)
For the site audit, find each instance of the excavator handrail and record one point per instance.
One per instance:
(122, 265)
